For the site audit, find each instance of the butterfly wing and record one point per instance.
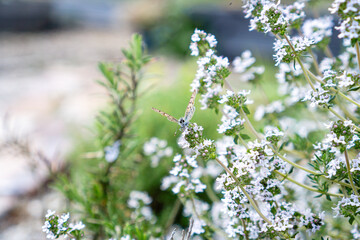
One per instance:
(190, 107)
(168, 116)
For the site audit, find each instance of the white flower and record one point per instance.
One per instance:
(77, 226)
(318, 29)
(319, 96)
(355, 232)
(345, 79)
(211, 40)
(240, 64)
(194, 49)
(157, 149)
(112, 152)
(273, 107)
(212, 92)
(49, 213)
(352, 201)
(326, 64)
(136, 197)
(243, 65)
(168, 181)
(46, 226)
(230, 119)
(64, 218)
(281, 47)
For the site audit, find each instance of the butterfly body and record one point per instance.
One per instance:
(183, 121)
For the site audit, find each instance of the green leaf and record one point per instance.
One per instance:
(109, 75)
(245, 136)
(282, 146)
(328, 197)
(355, 88)
(236, 139)
(246, 110)
(351, 220)
(332, 98)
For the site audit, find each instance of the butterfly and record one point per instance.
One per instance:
(183, 121)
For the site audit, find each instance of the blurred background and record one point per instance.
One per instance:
(49, 51)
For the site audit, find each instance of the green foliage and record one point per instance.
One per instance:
(100, 188)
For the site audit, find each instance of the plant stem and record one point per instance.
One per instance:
(307, 187)
(346, 97)
(295, 164)
(328, 52)
(299, 61)
(173, 214)
(349, 173)
(243, 142)
(306, 74)
(245, 232)
(314, 77)
(227, 84)
(251, 128)
(316, 65)
(358, 53)
(291, 46)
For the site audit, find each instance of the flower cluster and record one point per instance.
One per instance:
(196, 208)
(348, 206)
(342, 135)
(201, 42)
(235, 100)
(328, 157)
(244, 66)
(231, 122)
(192, 137)
(328, 160)
(56, 226)
(157, 149)
(286, 53)
(273, 135)
(254, 168)
(294, 13)
(348, 11)
(320, 29)
(289, 77)
(140, 201)
(210, 98)
(318, 96)
(212, 70)
(186, 175)
(268, 16)
(273, 107)
(311, 221)
(355, 232)
(349, 80)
